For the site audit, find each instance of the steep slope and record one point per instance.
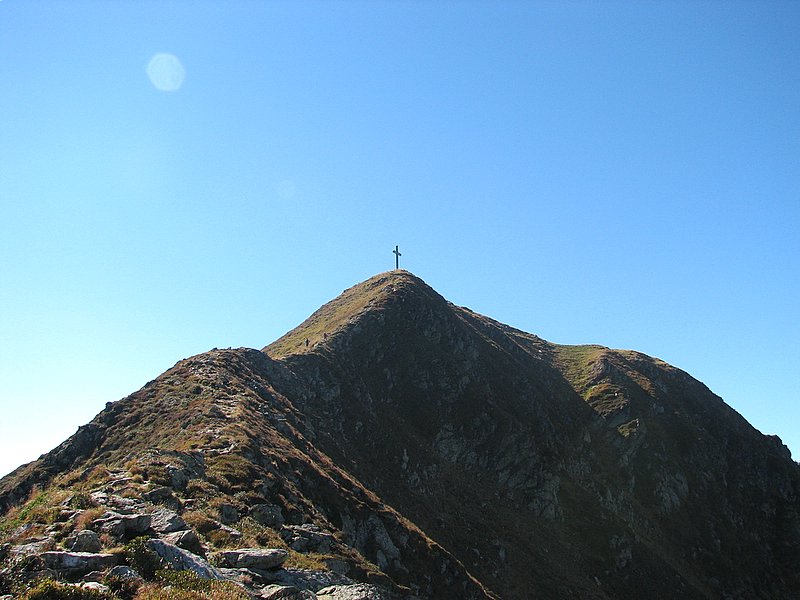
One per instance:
(596, 471)
(452, 456)
(215, 432)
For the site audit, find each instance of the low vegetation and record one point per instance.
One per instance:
(53, 590)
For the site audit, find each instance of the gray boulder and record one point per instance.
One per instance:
(306, 579)
(286, 592)
(357, 591)
(178, 478)
(94, 585)
(163, 520)
(261, 559)
(160, 494)
(77, 563)
(86, 541)
(183, 560)
(112, 525)
(32, 547)
(307, 538)
(124, 572)
(186, 539)
(136, 524)
(120, 526)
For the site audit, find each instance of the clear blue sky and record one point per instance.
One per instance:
(621, 173)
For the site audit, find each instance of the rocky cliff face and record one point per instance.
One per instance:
(399, 441)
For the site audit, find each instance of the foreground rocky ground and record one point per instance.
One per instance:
(101, 544)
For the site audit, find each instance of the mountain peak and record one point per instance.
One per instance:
(332, 318)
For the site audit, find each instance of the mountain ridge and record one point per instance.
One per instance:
(455, 456)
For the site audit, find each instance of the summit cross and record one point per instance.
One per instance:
(397, 256)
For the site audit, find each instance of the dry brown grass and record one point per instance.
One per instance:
(87, 517)
(216, 592)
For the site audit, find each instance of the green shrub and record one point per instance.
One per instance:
(184, 580)
(41, 508)
(142, 559)
(82, 501)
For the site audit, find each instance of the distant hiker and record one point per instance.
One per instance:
(324, 337)
(306, 342)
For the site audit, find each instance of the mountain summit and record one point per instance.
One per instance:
(394, 445)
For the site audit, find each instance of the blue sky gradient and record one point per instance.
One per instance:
(618, 173)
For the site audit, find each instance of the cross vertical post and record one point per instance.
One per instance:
(397, 256)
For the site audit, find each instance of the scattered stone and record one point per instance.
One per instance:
(307, 538)
(186, 539)
(32, 547)
(124, 572)
(159, 494)
(244, 576)
(97, 586)
(358, 591)
(119, 526)
(93, 576)
(113, 525)
(310, 580)
(77, 563)
(183, 560)
(86, 541)
(286, 592)
(136, 524)
(163, 520)
(252, 558)
(178, 479)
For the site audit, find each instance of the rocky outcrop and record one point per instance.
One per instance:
(85, 541)
(76, 563)
(286, 592)
(186, 539)
(307, 537)
(360, 591)
(163, 520)
(183, 560)
(251, 558)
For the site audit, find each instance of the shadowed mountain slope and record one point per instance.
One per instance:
(451, 456)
